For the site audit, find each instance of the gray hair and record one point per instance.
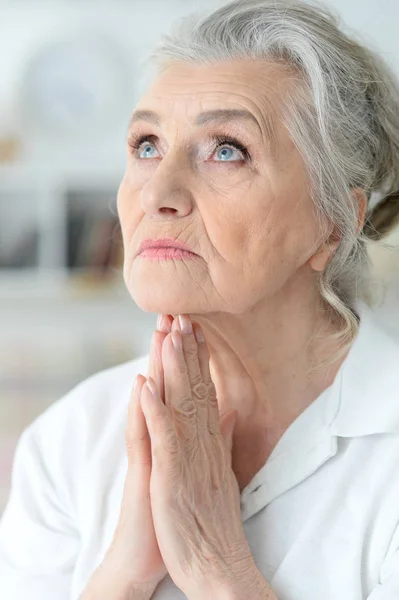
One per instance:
(342, 115)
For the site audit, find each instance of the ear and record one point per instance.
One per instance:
(361, 199)
(322, 257)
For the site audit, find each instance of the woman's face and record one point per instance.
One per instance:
(241, 205)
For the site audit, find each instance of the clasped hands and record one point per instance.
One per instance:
(195, 497)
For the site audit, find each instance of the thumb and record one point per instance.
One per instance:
(137, 438)
(227, 425)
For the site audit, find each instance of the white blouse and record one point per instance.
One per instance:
(321, 516)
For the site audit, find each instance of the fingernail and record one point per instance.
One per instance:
(185, 324)
(163, 324)
(135, 384)
(177, 341)
(199, 334)
(151, 386)
(160, 323)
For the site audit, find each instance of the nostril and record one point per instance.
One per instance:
(167, 209)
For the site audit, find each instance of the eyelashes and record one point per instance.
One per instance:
(136, 140)
(226, 140)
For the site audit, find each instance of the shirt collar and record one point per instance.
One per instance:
(364, 397)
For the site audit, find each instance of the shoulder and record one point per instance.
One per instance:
(68, 452)
(94, 399)
(365, 393)
(68, 434)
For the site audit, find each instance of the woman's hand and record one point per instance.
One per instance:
(195, 497)
(133, 558)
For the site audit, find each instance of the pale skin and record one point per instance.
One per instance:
(251, 221)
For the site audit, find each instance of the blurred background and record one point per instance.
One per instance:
(69, 73)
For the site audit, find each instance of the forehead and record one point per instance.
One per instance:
(184, 91)
(252, 78)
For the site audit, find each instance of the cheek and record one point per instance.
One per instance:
(262, 232)
(228, 229)
(246, 222)
(288, 228)
(286, 221)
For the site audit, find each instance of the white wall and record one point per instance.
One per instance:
(26, 26)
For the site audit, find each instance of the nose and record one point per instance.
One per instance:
(166, 195)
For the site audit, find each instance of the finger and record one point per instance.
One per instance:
(178, 396)
(213, 413)
(155, 367)
(137, 438)
(203, 354)
(199, 389)
(164, 441)
(165, 323)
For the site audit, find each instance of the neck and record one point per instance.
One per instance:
(261, 362)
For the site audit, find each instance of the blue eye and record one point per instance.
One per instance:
(225, 150)
(226, 146)
(146, 153)
(141, 145)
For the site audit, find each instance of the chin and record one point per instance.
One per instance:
(167, 299)
(164, 290)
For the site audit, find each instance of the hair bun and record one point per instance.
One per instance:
(383, 218)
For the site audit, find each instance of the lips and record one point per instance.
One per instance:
(164, 243)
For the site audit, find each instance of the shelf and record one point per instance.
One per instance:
(22, 176)
(28, 284)
(58, 218)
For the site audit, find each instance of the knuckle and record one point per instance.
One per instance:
(170, 443)
(191, 352)
(200, 390)
(181, 367)
(187, 406)
(132, 441)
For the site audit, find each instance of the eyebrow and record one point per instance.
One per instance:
(220, 114)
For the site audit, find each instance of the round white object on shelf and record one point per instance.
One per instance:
(73, 86)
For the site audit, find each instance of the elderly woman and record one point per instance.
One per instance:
(258, 458)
